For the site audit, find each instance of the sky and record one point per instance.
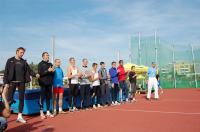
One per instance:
(93, 29)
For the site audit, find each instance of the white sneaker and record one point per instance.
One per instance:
(42, 116)
(62, 112)
(127, 100)
(134, 100)
(94, 106)
(99, 106)
(50, 115)
(20, 119)
(75, 109)
(71, 109)
(113, 103)
(55, 112)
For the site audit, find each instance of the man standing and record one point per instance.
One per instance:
(104, 85)
(122, 80)
(17, 73)
(46, 71)
(115, 83)
(58, 87)
(85, 84)
(132, 79)
(152, 81)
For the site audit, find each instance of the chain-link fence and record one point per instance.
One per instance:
(179, 65)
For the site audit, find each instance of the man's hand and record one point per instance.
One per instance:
(37, 75)
(134, 76)
(80, 74)
(113, 85)
(6, 85)
(6, 112)
(5, 93)
(51, 69)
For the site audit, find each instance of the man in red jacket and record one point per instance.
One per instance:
(122, 81)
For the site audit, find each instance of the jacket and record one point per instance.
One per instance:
(46, 77)
(114, 75)
(121, 73)
(10, 69)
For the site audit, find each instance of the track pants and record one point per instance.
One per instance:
(85, 95)
(124, 89)
(45, 94)
(97, 94)
(115, 92)
(21, 90)
(152, 82)
(73, 95)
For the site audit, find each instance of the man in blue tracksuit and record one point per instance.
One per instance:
(115, 83)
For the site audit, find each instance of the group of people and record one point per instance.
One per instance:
(98, 87)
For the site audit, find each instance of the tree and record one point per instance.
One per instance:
(34, 67)
(2, 71)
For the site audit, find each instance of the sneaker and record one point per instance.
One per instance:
(54, 113)
(94, 106)
(131, 101)
(148, 99)
(99, 106)
(43, 117)
(62, 112)
(127, 100)
(75, 109)
(50, 115)
(21, 120)
(116, 103)
(134, 100)
(71, 109)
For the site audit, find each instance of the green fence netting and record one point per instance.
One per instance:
(179, 65)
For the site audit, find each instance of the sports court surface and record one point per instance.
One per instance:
(178, 110)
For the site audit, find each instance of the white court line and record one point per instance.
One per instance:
(151, 111)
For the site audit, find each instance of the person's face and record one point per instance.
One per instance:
(58, 63)
(85, 62)
(121, 63)
(20, 53)
(46, 57)
(95, 67)
(73, 62)
(103, 65)
(114, 65)
(133, 69)
(153, 65)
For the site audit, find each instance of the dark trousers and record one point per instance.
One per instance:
(115, 92)
(85, 95)
(105, 94)
(133, 89)
(45, 94)
(21, 90)
(73, 94)
(97, 94)
(124, 88)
